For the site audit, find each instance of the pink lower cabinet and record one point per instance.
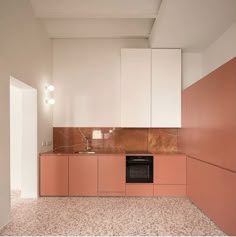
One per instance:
(169, 190)
(53, 175)
(170, 175)
(83, 175)
(111, 175)
(139, 189)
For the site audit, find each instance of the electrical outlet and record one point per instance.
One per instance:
(97, 134)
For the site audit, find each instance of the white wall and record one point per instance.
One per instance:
(4, 144)
(86, 75)
(220, 51)
(25, 54)
(29, 184)
(23, 139)
(15, 136)
(197, 65)
(191, 68)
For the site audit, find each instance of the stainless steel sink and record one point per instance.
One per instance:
(86, 152)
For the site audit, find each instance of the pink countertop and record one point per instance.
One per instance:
(110, 153)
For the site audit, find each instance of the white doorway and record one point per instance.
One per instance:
(23, 139)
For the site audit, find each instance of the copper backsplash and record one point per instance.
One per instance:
(154, 140)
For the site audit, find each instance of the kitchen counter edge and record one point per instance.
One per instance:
(50, 153)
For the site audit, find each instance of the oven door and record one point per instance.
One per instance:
(139, 171)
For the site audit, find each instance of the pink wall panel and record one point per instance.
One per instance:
(208, 118)
(208, 137)
(213, 190)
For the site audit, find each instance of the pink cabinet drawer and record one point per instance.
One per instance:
(169, 190)
(139, 189)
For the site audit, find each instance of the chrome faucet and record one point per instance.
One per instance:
(88, 148)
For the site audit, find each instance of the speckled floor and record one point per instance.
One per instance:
(108, 216)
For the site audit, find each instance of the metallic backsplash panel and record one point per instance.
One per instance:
(154, 140)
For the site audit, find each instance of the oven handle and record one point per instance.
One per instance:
(138, 161)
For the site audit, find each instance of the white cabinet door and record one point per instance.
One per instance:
(166, 88)
(135, 87)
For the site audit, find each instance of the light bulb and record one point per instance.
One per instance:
(50, 101)
(51, 87)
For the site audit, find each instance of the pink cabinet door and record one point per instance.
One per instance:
(111, 174)
(53, 175)
(170, 169)
(83, 175)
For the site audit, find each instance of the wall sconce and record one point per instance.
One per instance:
(50, 101)
(50, 87)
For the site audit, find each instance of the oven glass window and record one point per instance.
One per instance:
(139, 171)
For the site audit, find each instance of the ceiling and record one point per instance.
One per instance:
(192, 24)
(97, 18)
(188, 24)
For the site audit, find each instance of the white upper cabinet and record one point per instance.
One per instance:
(151, 88)
(135, 87)
(166, 88)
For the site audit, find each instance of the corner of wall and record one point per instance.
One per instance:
(220, 51)
(191, 68)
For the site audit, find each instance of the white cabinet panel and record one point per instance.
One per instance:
(166, 88)
(135, 87)
(86, 75)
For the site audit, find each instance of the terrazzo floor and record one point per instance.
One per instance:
(108, 216)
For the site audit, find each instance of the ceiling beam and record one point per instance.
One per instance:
(153, 25)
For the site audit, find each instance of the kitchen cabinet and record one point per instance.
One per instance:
(170, 169)
(151, 88)
(166, 88)
(83, 175)
(169, 190)
(135, 87)
(170, 175)
(111, 175)
(104, 175)
(139, 189)
(53, 175)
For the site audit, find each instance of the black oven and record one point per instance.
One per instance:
(139, 169)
